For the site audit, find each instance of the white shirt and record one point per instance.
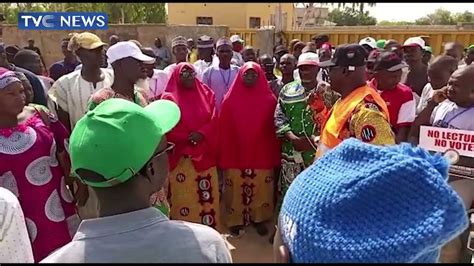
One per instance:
(169, 69)
(449, 115)
(425, 96)
(109, 66)
(15, 246)
(219, 81)
(154, 86)
(71, 92)
(236, 60)
(200, 66)
(143, 236)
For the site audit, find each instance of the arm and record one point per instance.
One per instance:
(63, 117)
(58, 94)
(424, 118)
(206, 77)
(284, 131)
(282, 123)
(370, 125)
(406, 116)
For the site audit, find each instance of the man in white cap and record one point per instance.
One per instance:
(237, 46)
(128, 63)
(368, 43)
(179, 47)
(219, 78)
(205, 48)
(417, 76)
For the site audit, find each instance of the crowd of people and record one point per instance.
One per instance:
(127, 153)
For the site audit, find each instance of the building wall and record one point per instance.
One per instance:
(229, 14)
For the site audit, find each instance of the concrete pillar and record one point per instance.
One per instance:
(265, 38)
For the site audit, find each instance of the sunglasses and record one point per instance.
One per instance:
(250, 75)
(169, 150)
(187, 74)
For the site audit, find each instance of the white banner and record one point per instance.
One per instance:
(452, 141)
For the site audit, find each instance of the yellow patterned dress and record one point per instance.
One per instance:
(194, 196)
(248, 196)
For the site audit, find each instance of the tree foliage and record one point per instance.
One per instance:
(351, 17)
(439, 17)
(118, 12)
(395, 23)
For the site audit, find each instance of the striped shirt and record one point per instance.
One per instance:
(72, 92)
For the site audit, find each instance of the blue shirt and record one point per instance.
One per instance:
(61, 68)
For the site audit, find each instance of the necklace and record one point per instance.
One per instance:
(223, 79)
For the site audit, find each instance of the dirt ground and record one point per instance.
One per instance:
(250, 247)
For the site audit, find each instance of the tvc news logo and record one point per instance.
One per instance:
(62, 21)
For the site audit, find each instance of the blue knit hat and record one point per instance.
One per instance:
(366, 203)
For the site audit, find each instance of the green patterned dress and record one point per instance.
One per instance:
(293, 113)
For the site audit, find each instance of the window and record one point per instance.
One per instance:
(204, 20)
(254, 23)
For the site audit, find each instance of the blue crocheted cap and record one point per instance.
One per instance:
(366, 203)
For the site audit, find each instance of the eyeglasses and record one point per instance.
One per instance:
(169, 150)
(250, 75)
(188, 74)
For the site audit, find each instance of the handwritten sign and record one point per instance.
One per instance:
(444, 139)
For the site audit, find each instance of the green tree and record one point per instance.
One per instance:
(351, 17)
(394, 23)
(439, 17)
(117, 12)
(465, 16)
(354, 6)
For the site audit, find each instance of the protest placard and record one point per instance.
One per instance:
(454, 144)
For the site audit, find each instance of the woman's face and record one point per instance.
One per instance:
(250, 78)
(187, 77)
(28, 91)
(12, 99)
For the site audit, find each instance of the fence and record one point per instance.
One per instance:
(248, 35)
(437, 35)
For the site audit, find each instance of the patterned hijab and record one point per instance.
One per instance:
(7, 77)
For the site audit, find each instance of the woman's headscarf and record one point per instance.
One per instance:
(247, 137)
(7, 77)
(198, 113)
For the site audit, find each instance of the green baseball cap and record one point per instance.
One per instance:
(118, 137)
(381, 43)
(470, 48)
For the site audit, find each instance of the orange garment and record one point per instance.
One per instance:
(362, 114)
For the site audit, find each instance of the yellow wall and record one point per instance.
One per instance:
(230, 14)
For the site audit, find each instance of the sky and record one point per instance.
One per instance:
(413, 11)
